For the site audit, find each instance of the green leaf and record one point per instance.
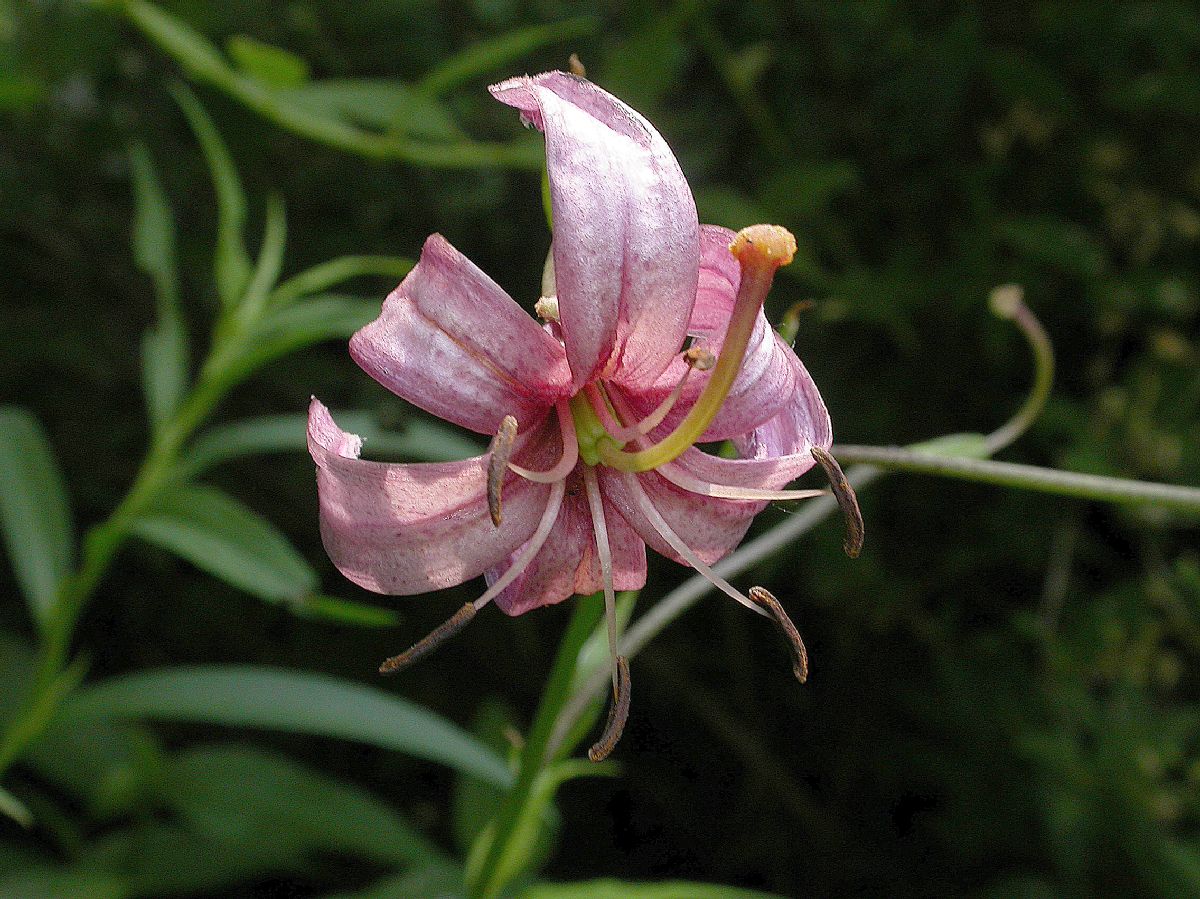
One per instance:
(232, 262)
(273, 66)
(623, 889)
(110, 766)
(53, 882)
(321, 277)
(164, 347)
(217, 533)
(240, 795)
(500, 53)
(971, 446)
(34, 513)
(293, 701)
(14, 808)
(1055, 242)
(383, 104)
(419, 440)
(296, 327)
(344, 611)
(190, 49)
(475, 801)
(164, 371)
(270, 260)
(442, 881)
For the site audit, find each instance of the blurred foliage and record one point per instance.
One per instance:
(1003, 699)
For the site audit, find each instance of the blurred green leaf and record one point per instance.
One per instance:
(420, 440)
(1064, 245)
(164, 346)
(343, 611)
(972, 446)
(14, 808)
(34, 512)
(321, 277)
(273, 66)
(242, 795)
(292, 701)
(270, 260)
(231, 262)
(110, 766)
(215, 532)
(475, 801)
(623, 889)
(383, 104)
(499, 53)
(441, 881)
(51, 884)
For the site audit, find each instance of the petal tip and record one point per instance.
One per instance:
(325, 437)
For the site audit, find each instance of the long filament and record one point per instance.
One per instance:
(685, 552)
(683, 479)
(531, 547)
(570, 455)
(604, 554)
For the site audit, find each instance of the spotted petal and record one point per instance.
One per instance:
(567, 562)
(404, 529)
(451, 341)
(626, 237)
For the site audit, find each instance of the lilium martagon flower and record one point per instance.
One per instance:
(652, 340)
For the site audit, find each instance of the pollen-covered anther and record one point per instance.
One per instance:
(767, 601)
(547, 308)
(618, 714)
(772, 244)
(699, 358)
(847, 500)
(500, 452)
(428, 644)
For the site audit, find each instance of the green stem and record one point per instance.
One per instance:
(1007, 302)
(1025, 477)
(497, 867)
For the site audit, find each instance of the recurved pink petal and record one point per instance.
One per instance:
(625, 229)
(795, 429)
(768, 375)
(403, 529)
(567, 563)
(451, 341)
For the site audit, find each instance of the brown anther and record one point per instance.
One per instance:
(699, 358)
(767, 601)
(575, 66)
(847, 500)
(436, 638)
(618, 713)
(500, 452)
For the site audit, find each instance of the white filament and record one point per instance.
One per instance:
(534, 544)
(604, 554)
(570, 456)
(681, 478)
(684, 551)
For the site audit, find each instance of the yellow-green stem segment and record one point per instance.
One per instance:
(761, 250)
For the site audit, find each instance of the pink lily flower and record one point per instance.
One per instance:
(597, 412)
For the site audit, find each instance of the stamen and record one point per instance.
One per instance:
(501, 451)
(684, 551)
(760, 250)
(681, 478)
(696, 358)
(622, 686)
(847, 500)
(618, 714)
(532, 546)
(767, 600)
(463, 616)
(436, 638)
(570, 455)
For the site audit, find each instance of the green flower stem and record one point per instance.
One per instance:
(1025, 477)
(507, 837)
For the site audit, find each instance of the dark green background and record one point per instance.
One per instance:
(1002, 699)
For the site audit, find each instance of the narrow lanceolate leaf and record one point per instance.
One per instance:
(34, 512)
(271, 65)
(12, 807)
(293, 701)
(418, 440)
(164, 347)
(232, 262)
(217, 533)
(269, 263)
(322, 277)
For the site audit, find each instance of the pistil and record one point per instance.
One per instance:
(760, 250)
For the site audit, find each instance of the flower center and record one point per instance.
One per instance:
(760, 250)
